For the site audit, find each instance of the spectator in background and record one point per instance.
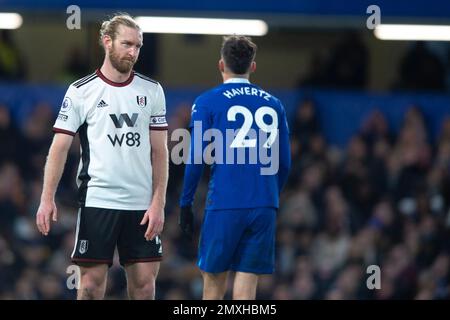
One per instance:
(345, 68)
(411, 158)
(11, 139)
(439, 178)
(306, 123)
(376, 128)
(376, 134)
(307, 143)
(421, 69)
(347, 284)
(75, 67)
(445, 130)
(348, 65)
(316, 73)
(330, 248)
(12, 66)
(12, 198)
(38, 136)
(354, 179)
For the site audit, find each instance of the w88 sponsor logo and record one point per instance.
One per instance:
(131, 139)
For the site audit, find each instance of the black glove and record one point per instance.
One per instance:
(186, 221)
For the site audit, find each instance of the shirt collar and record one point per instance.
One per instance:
(237, 80)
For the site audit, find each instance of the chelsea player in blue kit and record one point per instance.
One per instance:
(246, 127)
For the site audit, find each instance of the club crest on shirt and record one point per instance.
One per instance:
(141, 101)
(83, 246)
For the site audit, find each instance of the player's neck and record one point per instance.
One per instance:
(226, 76)
(112, 74)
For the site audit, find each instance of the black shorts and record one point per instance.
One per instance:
(100, 231)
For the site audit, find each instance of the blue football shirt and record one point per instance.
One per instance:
(242, 132)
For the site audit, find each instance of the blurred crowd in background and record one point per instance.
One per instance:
(382, 200)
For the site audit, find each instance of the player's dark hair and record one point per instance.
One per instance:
(238, 52)
(109, 27)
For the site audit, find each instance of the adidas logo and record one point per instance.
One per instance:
(102, 104)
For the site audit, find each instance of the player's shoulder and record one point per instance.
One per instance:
(146, 80)
(276, 100)
(85, 81)
(267, 95)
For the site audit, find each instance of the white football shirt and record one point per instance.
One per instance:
(113, 122)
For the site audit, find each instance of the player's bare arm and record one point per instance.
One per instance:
(54, 167)
(160, 162)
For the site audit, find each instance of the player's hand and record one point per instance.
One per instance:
(155, 219)
(47, 210)
(186, 221)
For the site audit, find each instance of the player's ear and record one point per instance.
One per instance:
(253, 67)
(221, 66)
(107, 42)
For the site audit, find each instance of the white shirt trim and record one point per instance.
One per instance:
(237, 80)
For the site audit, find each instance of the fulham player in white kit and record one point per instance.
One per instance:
(119, 116)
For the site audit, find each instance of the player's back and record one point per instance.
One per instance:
(247, 156)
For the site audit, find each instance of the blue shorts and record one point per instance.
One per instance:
(238, 240)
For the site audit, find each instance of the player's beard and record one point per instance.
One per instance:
(123, 65)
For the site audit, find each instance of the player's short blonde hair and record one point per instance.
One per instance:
(109, 27)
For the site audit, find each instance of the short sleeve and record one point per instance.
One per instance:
(70, 114)
(158, 113)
